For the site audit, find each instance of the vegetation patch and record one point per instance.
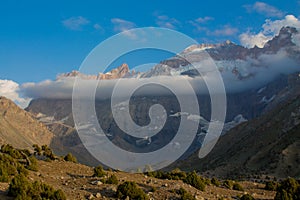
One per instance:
(99, 172)
(288, 189)
(70, 158)
(131, 190)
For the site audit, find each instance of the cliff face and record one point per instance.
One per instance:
(268, 145)
(19, 128)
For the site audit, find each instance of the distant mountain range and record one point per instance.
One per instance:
(243, 63)
(272, 73)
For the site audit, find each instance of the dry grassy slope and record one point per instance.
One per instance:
(266, 145)
(19, 128)
(76, 181)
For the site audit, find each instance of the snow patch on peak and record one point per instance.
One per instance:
(266, 100)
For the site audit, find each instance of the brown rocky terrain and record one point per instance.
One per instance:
(77, 182)
(20, 128)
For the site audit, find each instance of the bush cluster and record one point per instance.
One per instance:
(288, 189)
(99, 172)
(70, 158)
(22, 189)
(247, 197)
(112, 180)
(48, 153)
(237, 187)
(131, 190)
(196, 181)
(228, 184)
(185, 195)
(176, 174)
(215, 182)
(16, 163)
(190, 178)
(232, 185)
(271, 185)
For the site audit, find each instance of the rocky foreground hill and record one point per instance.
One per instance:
(20, 128)
(61, 178)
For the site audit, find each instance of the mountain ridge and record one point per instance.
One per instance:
(19, 128)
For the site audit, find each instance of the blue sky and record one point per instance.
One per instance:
(39, 39)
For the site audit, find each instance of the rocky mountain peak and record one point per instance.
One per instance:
(119, 72)
(116, 73)
(283, 39)
(6, 105)
(19, 128)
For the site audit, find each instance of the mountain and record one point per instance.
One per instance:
(268, 145)
(241, 63)
(57, 115)
(20, 128)
(119, 72)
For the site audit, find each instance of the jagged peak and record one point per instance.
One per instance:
(118, 72)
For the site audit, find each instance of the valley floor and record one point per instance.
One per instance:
(77, 182)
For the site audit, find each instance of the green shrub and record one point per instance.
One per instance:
(8, 149)
(112, 180)
(194, 180)
(215, 182)
(228, 184)
(4, 177)
(176, 174)
(99, 172)
(33, 164)
(70, 158)
(237, 187)
(18, 186)
(288, 189)
(271, 186)
(185, 195)
(47, 152)
(59, 195)
(37, 149)
(8, 165)
(22, 170)
(131, 190)
(247, 197)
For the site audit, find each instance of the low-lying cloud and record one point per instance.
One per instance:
(269, 30)
(10, 90)
(253, 73)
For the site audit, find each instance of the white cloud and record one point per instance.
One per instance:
(264, 9)
(265, 68)
(75, 23)
(199, 24)
(10, 89)
(121, 25)
(97, 27)
(203, 20)
(250, 40)
(225, 31)
(269, 30)
(124, 26)
(167, 22)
